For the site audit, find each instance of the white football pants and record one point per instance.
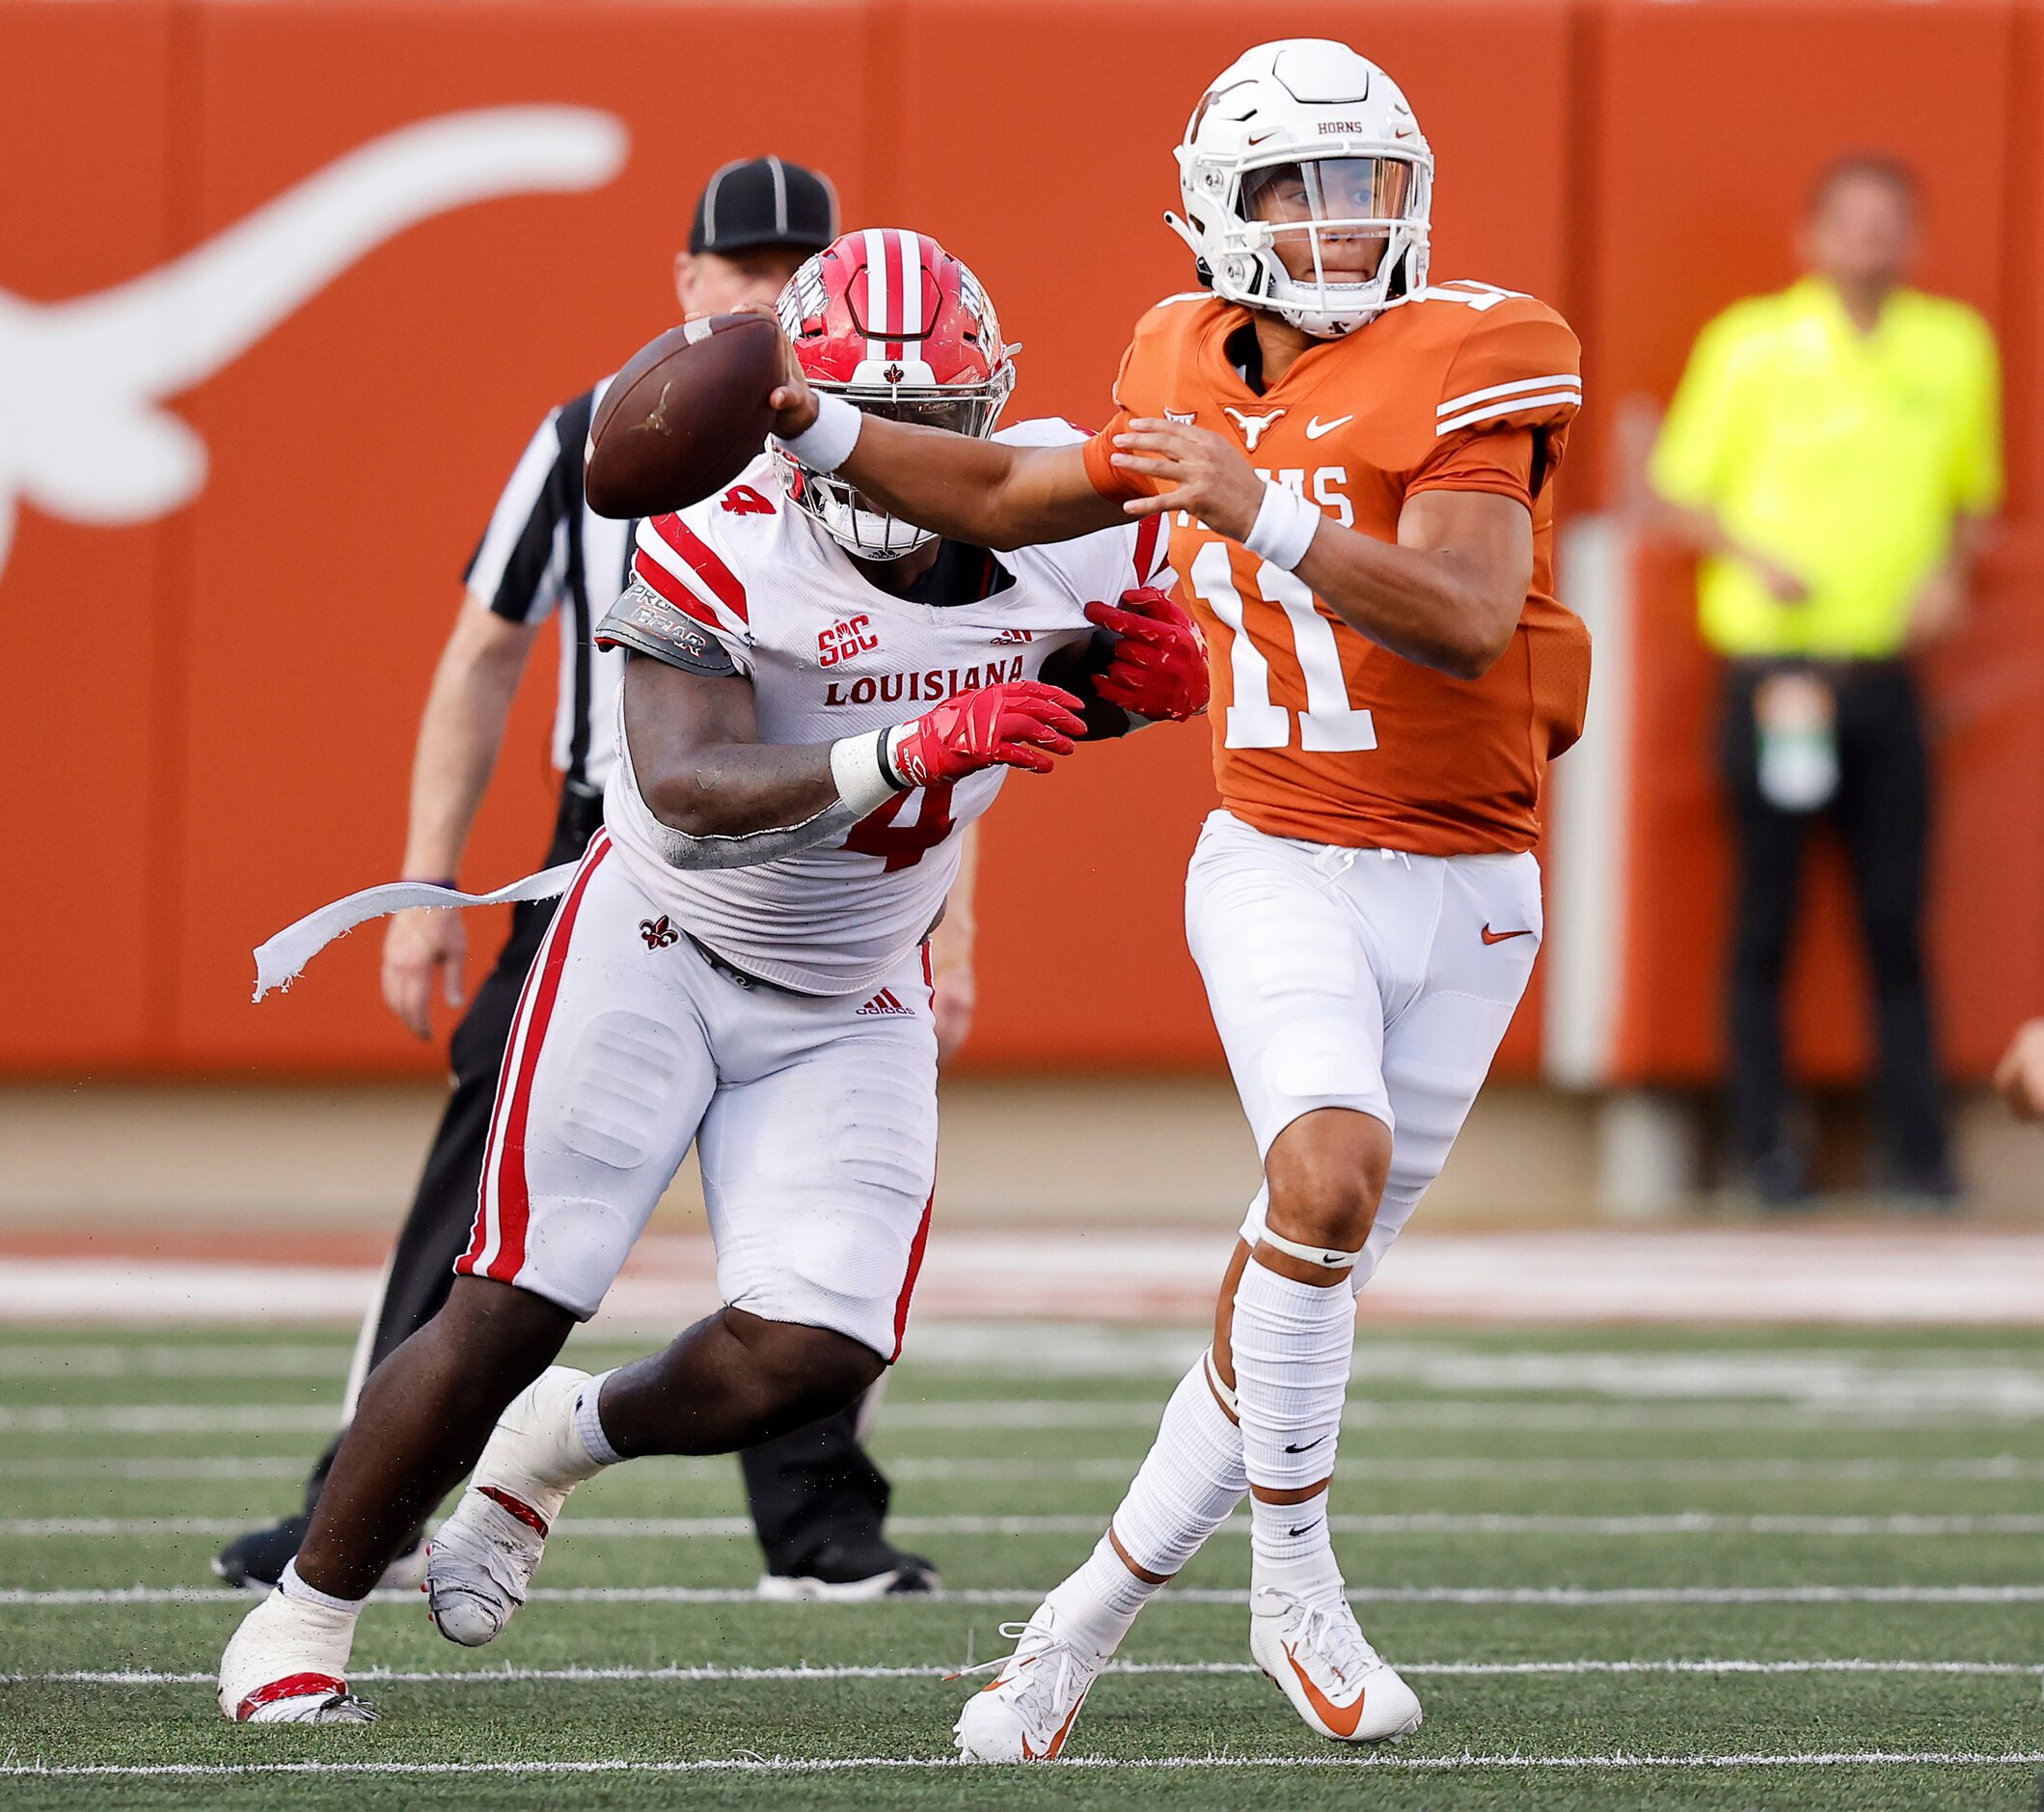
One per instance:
(815, 1118)
(1359, 978)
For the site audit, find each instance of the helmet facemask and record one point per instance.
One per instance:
(848, 518)
(1326, 241)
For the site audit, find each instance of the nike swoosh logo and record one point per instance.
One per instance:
(1342, 1721)
(1500, 937)
(1303, 1529)
(1064, 1730)
(1316, 428)
(1309, 1446)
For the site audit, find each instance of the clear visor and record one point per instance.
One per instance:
(1330, 191)
(1330, 220)
(972, 413)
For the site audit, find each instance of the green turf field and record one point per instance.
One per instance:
(1671, 1567)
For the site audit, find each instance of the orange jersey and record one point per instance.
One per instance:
(1318, 732)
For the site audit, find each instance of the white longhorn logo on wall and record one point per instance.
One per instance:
(83, 433)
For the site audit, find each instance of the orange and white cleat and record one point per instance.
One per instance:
(1320, 1661)
(288, 1665)
(1025, 1712)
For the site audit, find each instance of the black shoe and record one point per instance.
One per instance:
(1779, 1178)
(256, 1561)
(853, 1572)
(1924, 1188)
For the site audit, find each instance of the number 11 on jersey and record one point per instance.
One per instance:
(1329, 724)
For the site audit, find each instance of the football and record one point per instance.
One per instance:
(684, 417)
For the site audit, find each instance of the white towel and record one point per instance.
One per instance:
(279, 961)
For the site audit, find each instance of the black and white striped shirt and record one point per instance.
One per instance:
(546, 553)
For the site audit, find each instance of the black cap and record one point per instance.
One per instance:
(764, 201)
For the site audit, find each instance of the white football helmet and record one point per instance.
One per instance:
(1304, 141)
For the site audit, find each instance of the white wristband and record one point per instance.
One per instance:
(827, 443)
(860, 772)
(1284, 527)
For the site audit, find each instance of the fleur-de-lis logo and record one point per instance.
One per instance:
(659, 932)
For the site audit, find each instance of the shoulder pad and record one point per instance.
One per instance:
(1045, 430)
(1512, 360)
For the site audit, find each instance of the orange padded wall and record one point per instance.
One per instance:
(208, 714)
(1711, 121)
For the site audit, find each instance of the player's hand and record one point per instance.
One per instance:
(1019, 724)
(1783, 586)
(793, 401)
(417, 942)
(1201, 474)
(1937, 610)
(1160, 664)
(956, 995)
(2020, 1075)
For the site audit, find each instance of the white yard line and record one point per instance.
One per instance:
(999, 1414)
(1428, 1522)
(264, 1358)
(1471, 1468)
(170, 1418)
(838, 1765)
(1492, 1416)
(227, 1465)
(512, 1676)
(2004, 1468)
(1544, 1595)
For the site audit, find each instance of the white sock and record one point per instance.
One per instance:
(588, 1423)
(558, 1408)
(293, 1587)
(1191, 1481)
(1291, 1344)
(1095, 1605)
(1189, 1485)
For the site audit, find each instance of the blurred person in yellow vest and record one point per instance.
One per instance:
(1833, 455)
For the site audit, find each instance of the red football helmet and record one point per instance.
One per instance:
(893, 323)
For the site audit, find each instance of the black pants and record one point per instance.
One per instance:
(805, 1489)
(1882, 811)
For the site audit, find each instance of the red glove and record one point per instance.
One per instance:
(1019, 724)
(1160, 664)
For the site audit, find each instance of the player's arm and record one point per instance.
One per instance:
(729, 801)
(720, 798)
(459, 737)
(953, 981)
(1447, 594)
(983, 492)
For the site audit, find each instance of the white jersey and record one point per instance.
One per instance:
(829, 655)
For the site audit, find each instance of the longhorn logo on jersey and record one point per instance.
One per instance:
(1252, 428)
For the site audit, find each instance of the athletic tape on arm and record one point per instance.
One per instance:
(280, 961)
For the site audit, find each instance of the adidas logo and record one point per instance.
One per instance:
(1014, 637)
(886, 1004)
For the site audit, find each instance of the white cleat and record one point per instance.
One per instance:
(288, 1665)
(1027, 1710)
(1320, 1661)
(481, 1559)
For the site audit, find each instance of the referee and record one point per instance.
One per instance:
(817, 1499)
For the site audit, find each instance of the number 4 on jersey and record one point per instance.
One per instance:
(904, 845)
(1329, 724)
